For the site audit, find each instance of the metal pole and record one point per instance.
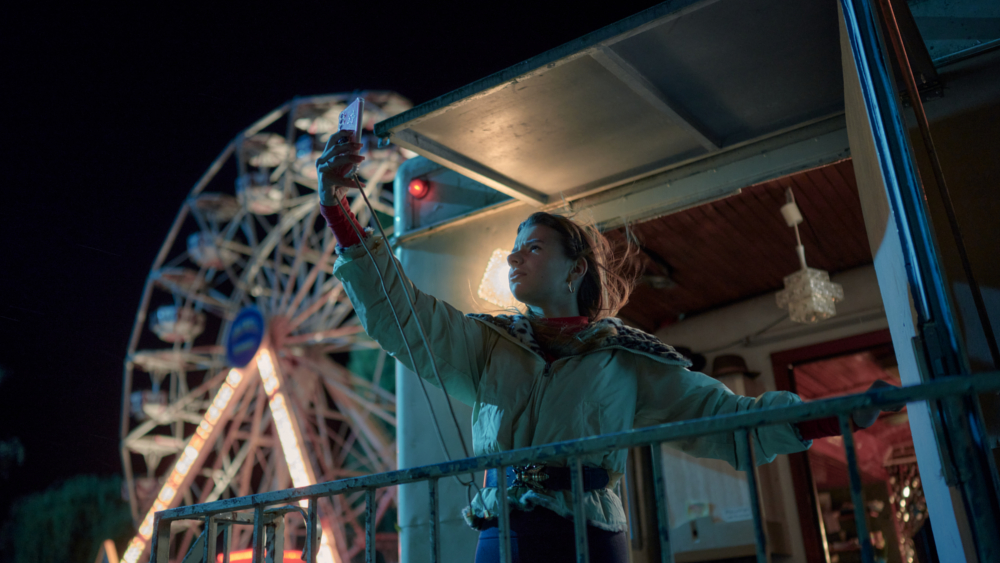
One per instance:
(579, 517)
(895, 39)
(432, 489)
(211, 533)
(227, 540)
(744, 449)
(370, 526)
(258, 534)
(311, 522)
(660, 500)
(161, 540)
(857, 495)
(503, 519)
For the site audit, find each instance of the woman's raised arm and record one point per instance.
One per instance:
(458, 344)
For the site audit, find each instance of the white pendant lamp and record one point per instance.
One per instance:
(809, 295)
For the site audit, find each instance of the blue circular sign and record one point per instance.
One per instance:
(244, 336)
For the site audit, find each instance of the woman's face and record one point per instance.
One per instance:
(540, 270)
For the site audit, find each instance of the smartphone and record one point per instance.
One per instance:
(351, 120)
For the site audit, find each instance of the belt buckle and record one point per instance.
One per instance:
(530, 476)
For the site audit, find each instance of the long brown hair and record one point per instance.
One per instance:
(612, 270)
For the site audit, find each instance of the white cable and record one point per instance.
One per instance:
(420, 329)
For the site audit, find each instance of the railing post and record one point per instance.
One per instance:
(860, 521)
(660, 501)
(269, 544)
(310, 531)
(579, 517)
(432, 490)
(503, 519)
(744, 448)
(370, 526)
(210, 535)
(227, 539)
(160, 548)
(276, 539)
(258, 534)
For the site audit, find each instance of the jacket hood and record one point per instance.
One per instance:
(624, 337)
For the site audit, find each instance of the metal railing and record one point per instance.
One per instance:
(269, 509)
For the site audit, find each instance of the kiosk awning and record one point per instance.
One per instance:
(672, 84)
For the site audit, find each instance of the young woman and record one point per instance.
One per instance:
(566, 370)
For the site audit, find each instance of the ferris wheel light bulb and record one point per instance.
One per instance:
(234, 377)
(133, 552)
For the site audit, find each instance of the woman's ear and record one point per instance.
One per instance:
(579, 268)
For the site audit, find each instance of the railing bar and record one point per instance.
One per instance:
(310, 531)
(370, 526)
(258, 534)
(969, 384)
(269, 543)
(503, 519)
(857, 496)
(226, 540)
(579, 517)
(744, 445)
(160, 548)
(660, 501)
(432, 489)
(211, 533)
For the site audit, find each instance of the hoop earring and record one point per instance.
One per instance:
(570, 285)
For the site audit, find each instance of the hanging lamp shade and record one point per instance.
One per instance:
(809, 295)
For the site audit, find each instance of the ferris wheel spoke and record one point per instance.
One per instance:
(256, 429)
(332, 376)
(323, 336)
(146, 426)
(329, 297)
(300, 245)
(311, 279)
(388, 498)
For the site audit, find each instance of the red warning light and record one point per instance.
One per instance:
(418, 188)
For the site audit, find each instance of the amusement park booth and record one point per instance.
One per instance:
(688, 124)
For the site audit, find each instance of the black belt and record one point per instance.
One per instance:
(548, 478)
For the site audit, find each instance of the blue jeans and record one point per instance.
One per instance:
(542, 536)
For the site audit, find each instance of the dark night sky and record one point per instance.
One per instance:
(110, 116)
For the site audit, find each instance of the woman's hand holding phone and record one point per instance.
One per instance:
(338, 158)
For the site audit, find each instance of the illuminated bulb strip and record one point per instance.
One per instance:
(290, 440)
(183, 465)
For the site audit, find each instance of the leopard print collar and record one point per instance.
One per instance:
(631, 339)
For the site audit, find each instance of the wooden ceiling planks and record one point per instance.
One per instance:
(740, 247)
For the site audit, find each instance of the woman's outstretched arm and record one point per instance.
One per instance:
(673, 393)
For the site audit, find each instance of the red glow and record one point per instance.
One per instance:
(247, 555)
(418, 188)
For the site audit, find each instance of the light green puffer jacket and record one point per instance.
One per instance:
(518, 400)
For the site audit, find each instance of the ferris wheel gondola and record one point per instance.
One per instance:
(249, 234)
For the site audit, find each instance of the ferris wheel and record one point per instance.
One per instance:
(316, 402)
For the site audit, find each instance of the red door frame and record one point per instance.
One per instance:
(782, 364)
